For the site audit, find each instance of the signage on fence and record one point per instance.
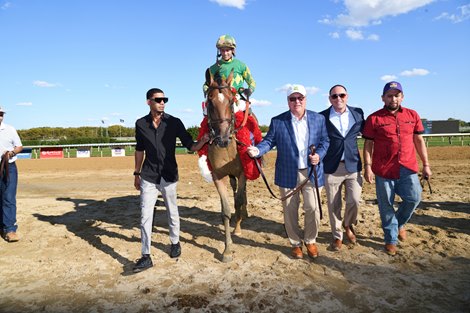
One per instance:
(441, 127)
(83, 153)
(115, 152)
(25, 154)
(51, 153)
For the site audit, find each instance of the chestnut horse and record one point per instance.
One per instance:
(223, 155)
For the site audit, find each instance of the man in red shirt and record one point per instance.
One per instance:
(392, 138)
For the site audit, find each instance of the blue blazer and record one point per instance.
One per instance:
(340, 144)
(281, 135)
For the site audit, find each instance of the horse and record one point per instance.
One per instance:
(223, 155)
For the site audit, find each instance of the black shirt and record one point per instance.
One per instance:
(159, 145)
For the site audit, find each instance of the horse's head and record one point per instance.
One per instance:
(220, 98)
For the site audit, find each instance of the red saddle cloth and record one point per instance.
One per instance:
(243, 135)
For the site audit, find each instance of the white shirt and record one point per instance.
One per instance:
(9, 139)
(342, 121)
(301, 138)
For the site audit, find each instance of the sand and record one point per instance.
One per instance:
(79, 227)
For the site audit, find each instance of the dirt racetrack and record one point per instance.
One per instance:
(79, 227)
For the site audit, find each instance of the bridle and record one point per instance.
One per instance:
(217, 121)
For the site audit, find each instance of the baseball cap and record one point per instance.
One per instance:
(2, 110)
(296, 88)
(392, 85)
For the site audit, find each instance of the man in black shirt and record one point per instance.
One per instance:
(156, 170)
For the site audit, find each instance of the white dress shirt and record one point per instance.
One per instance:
(301, 138)
(342, 121)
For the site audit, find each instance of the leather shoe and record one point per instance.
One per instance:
(143, 263)
(175, 250)
(12, 237)
(297, 253)
(402, 234)
(350, 234)
(312, 250)
(391, 249)
(336, 245)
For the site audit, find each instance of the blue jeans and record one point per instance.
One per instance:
(8, 199)
(409, 190)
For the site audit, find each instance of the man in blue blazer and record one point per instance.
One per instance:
(342, 164)
(293, 132)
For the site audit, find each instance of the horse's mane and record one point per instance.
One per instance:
(218, 78)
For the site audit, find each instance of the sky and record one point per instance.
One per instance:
(73, 63)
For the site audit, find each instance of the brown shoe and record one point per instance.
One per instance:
(336, 245)
(12, 237)
(391, 249)
(297, 253)
(350, 234)
(402, 234)
(312, 250)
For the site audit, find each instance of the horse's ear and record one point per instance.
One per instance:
(230, 78)
(209, 78)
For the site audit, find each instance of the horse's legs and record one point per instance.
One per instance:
(240, 204)
(226, 211)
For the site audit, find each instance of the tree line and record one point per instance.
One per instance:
(86, 134)
(115, 133)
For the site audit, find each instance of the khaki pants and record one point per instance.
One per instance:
(334, 183)
(311, 210)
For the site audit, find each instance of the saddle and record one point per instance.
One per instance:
(244, 140)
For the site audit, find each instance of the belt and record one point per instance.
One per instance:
(342, 161)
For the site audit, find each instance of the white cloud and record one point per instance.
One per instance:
(239, 4)
(326, 20)
(361, 13)
(415, 72)
(41, 83)
(354, 34)
(456, 18)
(387, 78)
(334, 35)
(310, 90)
(26, 104)
(6, 6)
(260, 103)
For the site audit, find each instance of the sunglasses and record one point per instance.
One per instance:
(160, 99)
(294, 99)
(336, 95)
(1, 114)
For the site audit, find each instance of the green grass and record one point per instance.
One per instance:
(443, 141)
(101, 152)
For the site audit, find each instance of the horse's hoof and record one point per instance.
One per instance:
(227, 258)
(237, 232)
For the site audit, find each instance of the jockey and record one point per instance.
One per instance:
(224, 64)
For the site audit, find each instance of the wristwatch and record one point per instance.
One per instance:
(136, 173)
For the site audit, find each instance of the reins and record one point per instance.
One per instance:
(312, 171)
(291, 193)
(4, 166)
